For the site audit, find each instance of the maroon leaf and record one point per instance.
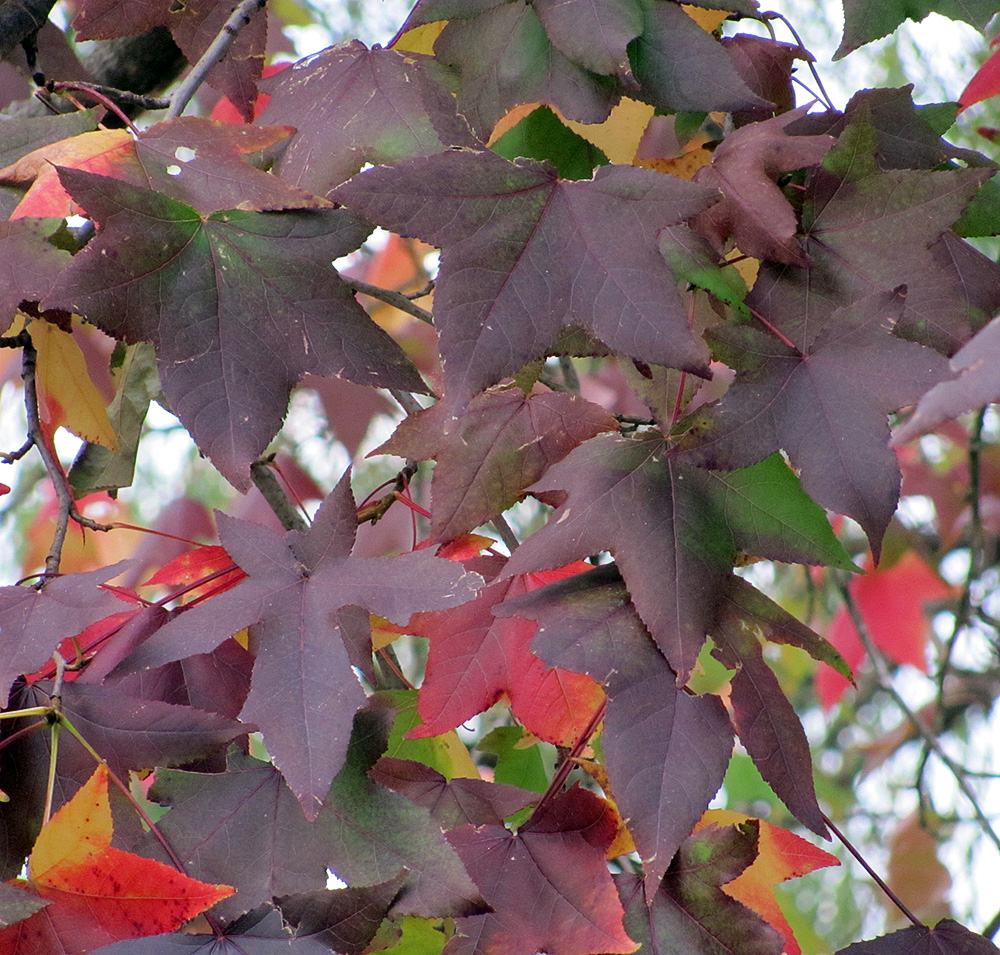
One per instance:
(500, 444)
(666, 751)
(304, 693)
(690, 912)
(353, 106)
(822, 395)
(755, 212)
(239, 305)
(765, 65)
(977, 384)
(593, 35)
(946, 938)
(346, 920)
(548, 884)
(452, 803)
(524, 254)
(35, 621)
(29, 263)
(492, 81)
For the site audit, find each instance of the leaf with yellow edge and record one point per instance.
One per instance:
(98, 894)
(781, 855)
(708, 20)
(67, 396)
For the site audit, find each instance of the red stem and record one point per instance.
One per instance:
(777, 332)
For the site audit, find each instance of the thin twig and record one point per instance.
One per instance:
(105, 101)
(569, 374)
(396, 299)
(267, 483)
(406, 400)
(930, 741)
(123, 97)
(9, 457)
(812, 66)
(506, 534)
(215, 53)
(64, 496)
(992, 927)
(878, 881)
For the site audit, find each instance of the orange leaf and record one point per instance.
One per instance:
(196, 564)
(781, 855)
(891, 602)
(95, 892)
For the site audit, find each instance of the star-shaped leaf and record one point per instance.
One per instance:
(674, 530)
(825, 403)
(29, 263)
(353, 106)
(755, 213)
(525, 254)
(945, 938)
(304, 693)
(501, 443)
(548, 884)
(239, 306)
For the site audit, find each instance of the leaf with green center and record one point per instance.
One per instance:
(674, 530)
(239, 306)
(542, 135)
(304, 693)
(525, 254)
(354, 106)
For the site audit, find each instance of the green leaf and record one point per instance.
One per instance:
(541, 135)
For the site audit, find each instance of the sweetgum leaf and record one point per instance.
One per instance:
(869, 231)
(548, 884)
(34, 621)
(501, 443)
(29, 263)
(525, 254)
(755, 213)
(452, 803)
(690, 912)
(948, 937)
(354, 106)
(824, 402)
(504, 57)
(666, 751)
(867, 20)
(675, 530)
(593, 35)
(239, 306)
(304, 693)
(542, 135)
(680, 67)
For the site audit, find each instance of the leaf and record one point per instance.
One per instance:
(754, 212)
(781, 855)
(542, 135)
(891, 603)
(458, 802)
(581, 253)
(674, 531)
(548, 884)
(984, 84)
(354, 106)
(66, 394)
(666, 752)
(34, 621)
(867, 20)
(822, 395)
(474, 659)
(15, 904)
(945, 938)
(266, 299)
(977, 383)
(501, 443)
(691, 912)
(96, 891)
(296, 584)
(29, 264)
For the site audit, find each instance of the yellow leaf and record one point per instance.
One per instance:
(708, 20)
(618, 136)
(420, 39)
(67, 396)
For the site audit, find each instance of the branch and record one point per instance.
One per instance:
(396, 299)
(267, 483)
(216, 51)
(930, 741)
(64, 496)
(122, 97)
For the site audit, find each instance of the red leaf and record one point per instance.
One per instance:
(891, 602)
(983, 85)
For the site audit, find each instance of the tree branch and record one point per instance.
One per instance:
(267, 483)
(216, 51)
(396, 299)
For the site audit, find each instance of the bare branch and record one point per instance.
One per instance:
(396, 299)
(267, 483)
(216, 51)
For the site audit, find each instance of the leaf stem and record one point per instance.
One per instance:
(777, 332)
(875, 876)
(396, 299)
(215, 53)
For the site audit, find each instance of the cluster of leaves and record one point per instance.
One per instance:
(671, 308)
